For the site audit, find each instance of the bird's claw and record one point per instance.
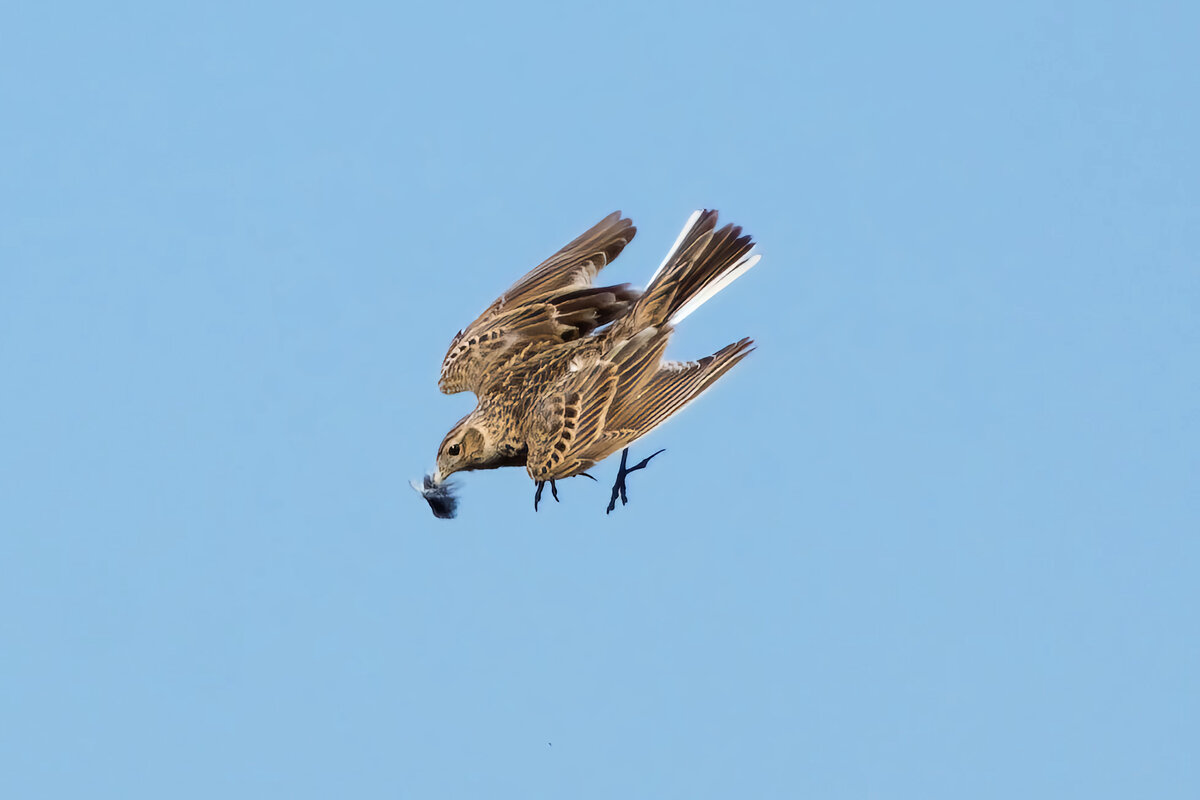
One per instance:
(618, 489)
(537, 495)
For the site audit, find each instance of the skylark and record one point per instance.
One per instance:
(568, 373)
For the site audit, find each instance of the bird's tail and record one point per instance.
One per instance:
(702, 262)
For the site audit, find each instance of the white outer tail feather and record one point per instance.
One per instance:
(687, 227)
(739, 268)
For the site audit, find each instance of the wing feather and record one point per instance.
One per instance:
(568, 420)
(672, 387)
(554, 303)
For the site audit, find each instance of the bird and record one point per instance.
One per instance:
(567, 373)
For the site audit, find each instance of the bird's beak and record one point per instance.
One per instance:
(437, 477)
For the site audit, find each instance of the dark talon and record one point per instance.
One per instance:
(619, 486)
(537, 495)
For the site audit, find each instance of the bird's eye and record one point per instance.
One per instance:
(453, 450)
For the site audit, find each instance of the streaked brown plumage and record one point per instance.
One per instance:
(568, 373)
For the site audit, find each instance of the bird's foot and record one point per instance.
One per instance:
(537, 495)
(619, 487)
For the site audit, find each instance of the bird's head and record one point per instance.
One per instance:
(464, 448)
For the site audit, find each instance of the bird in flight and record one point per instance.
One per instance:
(567, 373)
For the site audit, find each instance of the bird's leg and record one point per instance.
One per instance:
(537, 495)
(619, 486)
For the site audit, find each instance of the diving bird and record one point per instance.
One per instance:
(567, 373)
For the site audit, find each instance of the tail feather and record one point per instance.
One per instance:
(701, 263)
(706, 293)
(687, 228)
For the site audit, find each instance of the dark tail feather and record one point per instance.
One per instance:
(703, 262)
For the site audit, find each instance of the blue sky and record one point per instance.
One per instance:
(937, 537)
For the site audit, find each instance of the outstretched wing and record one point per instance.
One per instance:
(569, 428)
(603, 408)
(554, 303)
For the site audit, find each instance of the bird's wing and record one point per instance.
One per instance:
(597, 411)
(571, 425)
(671, 387)
(554, 303)
(567, 422)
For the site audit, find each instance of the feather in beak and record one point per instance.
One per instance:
(440, 496)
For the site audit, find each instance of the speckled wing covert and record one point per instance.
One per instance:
(554, 303)
(604, 406)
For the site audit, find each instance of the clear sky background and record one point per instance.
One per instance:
(939, 537)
